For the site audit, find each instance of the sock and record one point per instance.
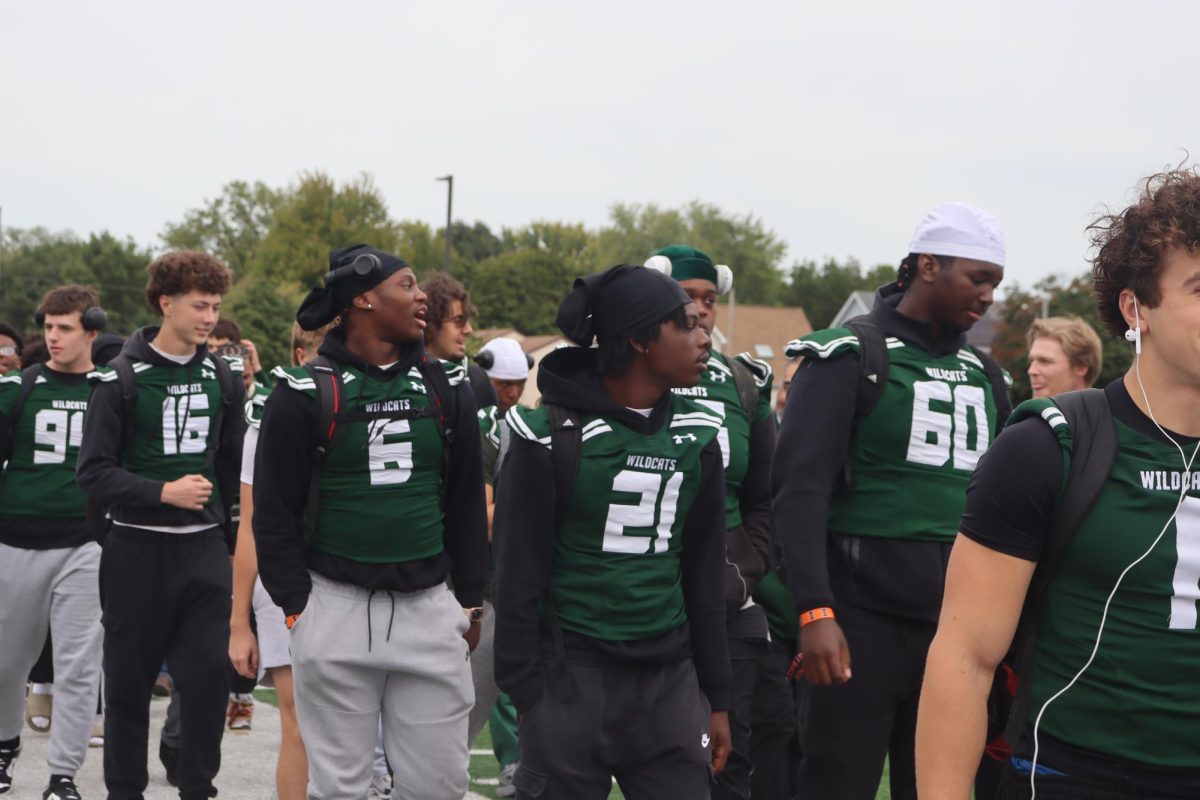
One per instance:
(11, 744)
(42, 688)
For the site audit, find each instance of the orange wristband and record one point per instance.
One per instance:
(817, 613)
(291, 620)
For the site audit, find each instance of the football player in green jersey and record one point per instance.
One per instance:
(361, 574)
(49, 558)
(610, 626)
(866, 507)
(164, 461)
(747, 441)
(1115, 705)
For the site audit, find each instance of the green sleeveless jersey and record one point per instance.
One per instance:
(1139, 700)
(489, 429)
(912, 456)
(616, 573)
(171, 433)
(718, 393)
(39, 480)
(380, 481)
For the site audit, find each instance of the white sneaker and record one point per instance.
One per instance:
(504, 786)
(381, 788)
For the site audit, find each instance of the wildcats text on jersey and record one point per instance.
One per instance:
(1167, 481)
(652, 463)
(386, 406)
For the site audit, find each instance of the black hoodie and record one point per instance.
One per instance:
(894, 576)
(286, 440)
(131, 498)
(524, 544)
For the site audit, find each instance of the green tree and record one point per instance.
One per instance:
(1070, 298)
(37, 260)
(265, 316)
(230, 226)
(754, 253)
(522, 289)
(315, 217)
(822, 289)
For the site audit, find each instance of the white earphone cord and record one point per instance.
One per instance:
(1187, 467)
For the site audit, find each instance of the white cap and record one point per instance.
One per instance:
(962, 231)
(508, 360)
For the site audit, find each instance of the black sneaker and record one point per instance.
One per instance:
(169, 756)
(8, 758)
(61, 789)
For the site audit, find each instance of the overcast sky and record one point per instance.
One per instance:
(838, 124)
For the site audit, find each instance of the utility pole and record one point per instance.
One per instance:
(449, 179)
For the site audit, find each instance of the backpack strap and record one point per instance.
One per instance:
(566, 451)
(873, 363)
(1093, 450)
(330, 391)
(127, 383)
(442, 397)
(225, 380)
(995, 375)
(747, 389)
(29, 377)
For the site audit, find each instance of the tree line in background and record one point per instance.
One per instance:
(277, 240)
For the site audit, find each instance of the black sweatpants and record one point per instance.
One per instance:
(645, 725)
(165, 596)
(849, 730)
(775, 740)
(747, 633)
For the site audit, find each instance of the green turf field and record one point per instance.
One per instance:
(484, 767)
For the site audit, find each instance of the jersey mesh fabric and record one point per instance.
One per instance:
(616, 570)
(39, 480)
(912, 456)
(379, 500)
(1138, 701)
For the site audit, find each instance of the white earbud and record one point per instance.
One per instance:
(1134, 334)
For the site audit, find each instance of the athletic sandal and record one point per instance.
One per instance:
(8, 760)
(61, 789)
(381, 787)
(240, 713)
(38, 708)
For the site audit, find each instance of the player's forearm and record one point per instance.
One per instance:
(951, 722)
(245, 562)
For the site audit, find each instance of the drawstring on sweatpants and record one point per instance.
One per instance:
(391, 618)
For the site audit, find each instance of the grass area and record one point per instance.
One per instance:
(484, 767)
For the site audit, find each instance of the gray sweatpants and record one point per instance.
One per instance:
(40, 589)
(357, 655)
(483, 673)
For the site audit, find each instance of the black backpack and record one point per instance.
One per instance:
(330, 394)
(1093, 450)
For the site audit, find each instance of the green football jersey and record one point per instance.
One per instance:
(718, 392)
(1139, 700)
(912, 456)
(617, 574)
(39, 480)
(171, 432)
(380, 481)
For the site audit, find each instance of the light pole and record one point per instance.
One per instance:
(449, 179)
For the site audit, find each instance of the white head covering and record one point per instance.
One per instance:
(508, 360)
(962, 231)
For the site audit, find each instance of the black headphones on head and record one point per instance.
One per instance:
(94, 319)
(487, 359)
(363, 264)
